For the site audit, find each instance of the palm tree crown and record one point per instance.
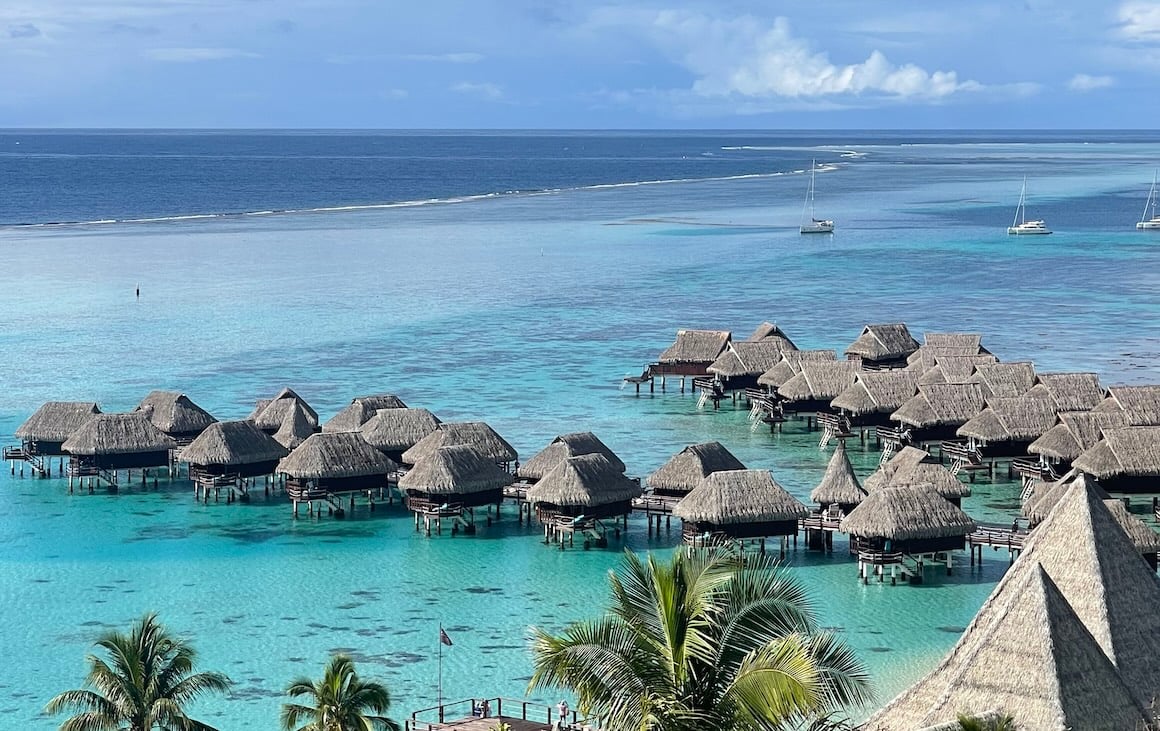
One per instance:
(144, 684)
(341, 701)
(706, 640)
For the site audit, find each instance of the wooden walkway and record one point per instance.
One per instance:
(482, 724)
(462, 715)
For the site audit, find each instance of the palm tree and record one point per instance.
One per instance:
(144, 684)
(705, 640)
(340, 701)
(999, 723)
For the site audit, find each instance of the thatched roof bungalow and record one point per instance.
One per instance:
(1068, 391)
(1008, 425)
(454, 475)
(175, 414)
(955, 368)
(1073, 434)
(883, 346)
(237, 448)
(119, 442)
(587, 486)
(296, 427)
(932, 475)
(393, 431)
(687, 468)
(472, 433)
(360, 410)
(741, 363)
(938, 410)
(692, 353)
(903, 459)
(944, 344)
(270, 415)
(875, 395)
(1140, 405)
(1126, 459)
(738, 504)
(817, 384)
(334, 462)
(49, 426)
(790, 365)
(562, 447)
(839, 486)
(1004, 380)
(913, 519)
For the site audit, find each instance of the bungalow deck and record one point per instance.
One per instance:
(466, 715)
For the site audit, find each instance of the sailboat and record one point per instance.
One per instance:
(1021, 226)
(1153, 223)
(812, 225)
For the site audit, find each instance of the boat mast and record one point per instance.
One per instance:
(809, 207)
(1151, 202)
(1022, 207)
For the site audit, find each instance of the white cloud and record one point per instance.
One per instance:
(485, 90)
(192, 55)
(444, 57)
(1139, 20)
(1087, 82)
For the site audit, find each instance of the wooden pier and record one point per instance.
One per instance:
(998, 537)
(484, 714)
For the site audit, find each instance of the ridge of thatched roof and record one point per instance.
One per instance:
(791, 363)
(955, 368)
(732, 497)
(747, 358)
(876, 392)
(1005, 380)
(685, 469)
(1023, 418)
(913, 512)
(398, 429)
(334, 455)
(905, 458)
(472, 433)
(231, 443)
(927, 355)
(56, 420)
(770, 332)
(456, 469)
(941, 404)
(696, 346)
(295, 427)
(117, 434)
(1069, 391)
(174, 413)
(972, 342)
(820, 380)
(562, 447)
(1028, 652)
(273, 414)
(1139, 404)
(1046, 495)
(883, 341)
(1124, 451)
(839, 486)
(1139, 533)
(933, 475)
(1075, 433)
(584, 481)
(360, 410)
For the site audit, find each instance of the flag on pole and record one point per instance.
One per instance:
(443, 638)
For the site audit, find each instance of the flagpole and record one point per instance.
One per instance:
(439, 641)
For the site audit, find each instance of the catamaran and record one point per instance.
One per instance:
(1021, 226)
(810, 224)
(1153, 223)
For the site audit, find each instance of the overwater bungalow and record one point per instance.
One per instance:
(175, 414)
(954, 368)
(735, 505)
(741, 363)
(1126, 459)
(905, 527)
(1004, 380)
(874, 396)
(1140, 405)
(230, 453)
(688, 467)
(475, 434)
(360, 410)
(578, 494)
(1008, 426)
(770, 332)
(393, 431)
(296, 426)
(932, 475)
(42, 435)
(562, 447)
(327, 465)
(817, 384)
(935, 345)
(451, 483)
(1068, 391)
(839, 492)
(936, 412)
(1073, 434)
(883, 346)
(904, 458)
(790, 365)
(270, 415)
(691, 354)
(107, 443)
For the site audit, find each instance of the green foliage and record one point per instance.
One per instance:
(972, 723)
(341, 701)
(143, 684)
(702, 641)
(501, 726)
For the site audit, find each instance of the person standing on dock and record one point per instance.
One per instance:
(562, 709)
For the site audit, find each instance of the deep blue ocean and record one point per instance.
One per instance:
(515, 278)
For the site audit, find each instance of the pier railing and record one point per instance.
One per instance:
(460, 712)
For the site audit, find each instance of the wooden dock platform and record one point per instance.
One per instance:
(483, 714)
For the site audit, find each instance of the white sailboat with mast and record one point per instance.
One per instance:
(1153, 223)
(810, 224)
(1021, 226)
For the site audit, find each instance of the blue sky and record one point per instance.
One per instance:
(573, 64)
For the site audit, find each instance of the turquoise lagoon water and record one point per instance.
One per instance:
(525, 311)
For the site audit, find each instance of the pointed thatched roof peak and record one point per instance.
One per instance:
(839, 486)
(360, 410)
(905, 514)
(1126, 451)
(231, 443)
(454, 470)
(562, 447)
(688, 467)
(770, 331)
(56, 420)
(174, 413)
(748, 358)
(117, 434)
(396, 430)
(791, 364)
(884, 341)
(271, 415)
(295, 427)
(472, 433)
(731, 497)
(584, 481)
(696, 346)
(335, 455)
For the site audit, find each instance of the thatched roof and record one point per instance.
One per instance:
(1126, 451)
(876, 392)
(941, 404)
(1015, 419)
(1069, 391)
(472, 433)
(273, 414)
(839, 486)
(455, 470)
(333, 455)
(696, 346)
(905, 458)
(791, 364)
(688, 467)
(259, 406)
(231, 443)
(174, 413)
(908, 513)
(295, 428)
(1046, 495)
(1074, 434)
(1139, 404)
(881, 342)
(820, 380)
(360, 410)
(924, 358)
(562, 447)
(1027, 652)
(966, 342)
(1005, 380)
(117, 434)
(396, 430)
(954, 368)
(584, 481)
(747, 358)
(933, 475)
(768, 331)
(734, 497)
(1139, 533)
(56, 420)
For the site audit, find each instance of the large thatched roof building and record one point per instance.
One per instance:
(360, 410)
(1126, 459)
(790, 365)
(742, 363)
(588, 486)
(270, 415)
(334, 462)
(119, 441)
(296, 426)
(1004, 380)
(1008, 425)
(737, 504)
(875, 395)
(1073, 434)
(475, 434)
(839, 486)
(175, 414)
(883, 346)
(817, 384)
(49, 426)
(1068, 391)
(456, 475)
(938, 410)
(562, 447)
(1140, 405)
(395, 430)
(685, 469)
(235, 448)
(770, 332)
(930, 474)
(692, 353)
(954, 368)
(913, 520)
